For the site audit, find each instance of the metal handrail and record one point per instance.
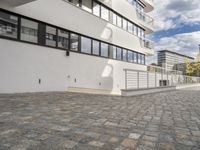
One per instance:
(144, 17)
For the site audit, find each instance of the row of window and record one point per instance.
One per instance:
(24, 29)
(103, 12)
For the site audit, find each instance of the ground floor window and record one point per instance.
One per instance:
(74, 42)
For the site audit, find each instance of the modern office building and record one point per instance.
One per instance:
(167, 59)
(72, 45)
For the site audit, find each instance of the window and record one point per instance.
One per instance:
(96, 9)
(29, 31)
(75, 2)
(104, 49)
(124, 55)
(63, 39)
(113, 52)
(95, 47)
(134, 29)
(119, 21)
(87, 5)
(74, 42)
(104, 13)
(130, 27)
(139, 58)
(130, 56)
(8, 25)
(119, 53)
(135, 57)
(50, 36)
(124, 24)
(143, 59)
(114, 19)
(86, 45)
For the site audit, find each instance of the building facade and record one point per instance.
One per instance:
(167, 59)
(74, 45)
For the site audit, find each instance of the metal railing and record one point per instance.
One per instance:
(136, 79)
(144, 17)
(146, 43)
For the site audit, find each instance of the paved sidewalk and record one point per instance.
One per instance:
(51, 121)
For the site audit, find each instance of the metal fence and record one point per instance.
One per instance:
(135, 79)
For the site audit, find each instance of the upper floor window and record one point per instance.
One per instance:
(87, 5)
(135, 57)
(8, 25)
(119, 53)
(119, 21)
(104, 13)
(74, 42)
(104, 49)
(130, 27)
(124, 55)
(130, 56)
(50, 36)
(95, 47)
(114, 18)
(113, 52)
(29, 31)
(125, 25)
(96, 9)
(86, 45)
(63, 39)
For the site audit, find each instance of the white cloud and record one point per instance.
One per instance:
(172, 13)
(184, 43)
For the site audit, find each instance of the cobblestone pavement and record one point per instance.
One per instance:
(51, 121)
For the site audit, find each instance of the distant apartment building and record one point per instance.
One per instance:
(167, 59)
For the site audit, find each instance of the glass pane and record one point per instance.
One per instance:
(124, 24)
(87, 5)
(113, 52)
(74, 42)
(86, 45)
(139, 58)
(119, 53)
(124, 55)
(130, 56)
(75, 2)
(63, 39)
(135, 57)
(29, 31)
(130, 27)
(104, 49)
(50, 36)
(114, 19)
(135, 30)
(95, 46)
(104, 13)
(96, 9)
(119, 21)
(8, 25)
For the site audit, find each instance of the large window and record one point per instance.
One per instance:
(139, 59)
(50, 36)
(29, 31)
(96, 9)
(114, 19)
(104, 13)
(143, 59)
(135, 57)
(119, 21)
(113, 52)
(119, 53)
(8, 25)
(63, 39)
(125, 25)
(130, 27)
(95, 47)
(104, 49)
(86, 45)
(130, 56)
(87, 5)
(124, 55)
(74, 42)
(134, 29)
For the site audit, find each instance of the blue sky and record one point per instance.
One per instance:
(177, 27)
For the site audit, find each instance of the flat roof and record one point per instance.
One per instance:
(176, 53)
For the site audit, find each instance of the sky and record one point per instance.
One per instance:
(177, 27)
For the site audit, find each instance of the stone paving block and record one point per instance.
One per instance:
(134, 136)
(96, 143)
(129, 143)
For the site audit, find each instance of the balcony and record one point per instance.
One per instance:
(149, 5)
(147, 45)
(15, 3)
(144, 17)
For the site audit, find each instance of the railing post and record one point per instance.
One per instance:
(126, 79)
(147, 79)
(138, 77)
(167, 79)
(162, 77)
(155, 79)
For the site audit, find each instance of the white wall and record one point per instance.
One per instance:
(22, 65)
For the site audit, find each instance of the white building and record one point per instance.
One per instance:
(72, 45)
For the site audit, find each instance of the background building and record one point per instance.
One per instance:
(167, 59)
